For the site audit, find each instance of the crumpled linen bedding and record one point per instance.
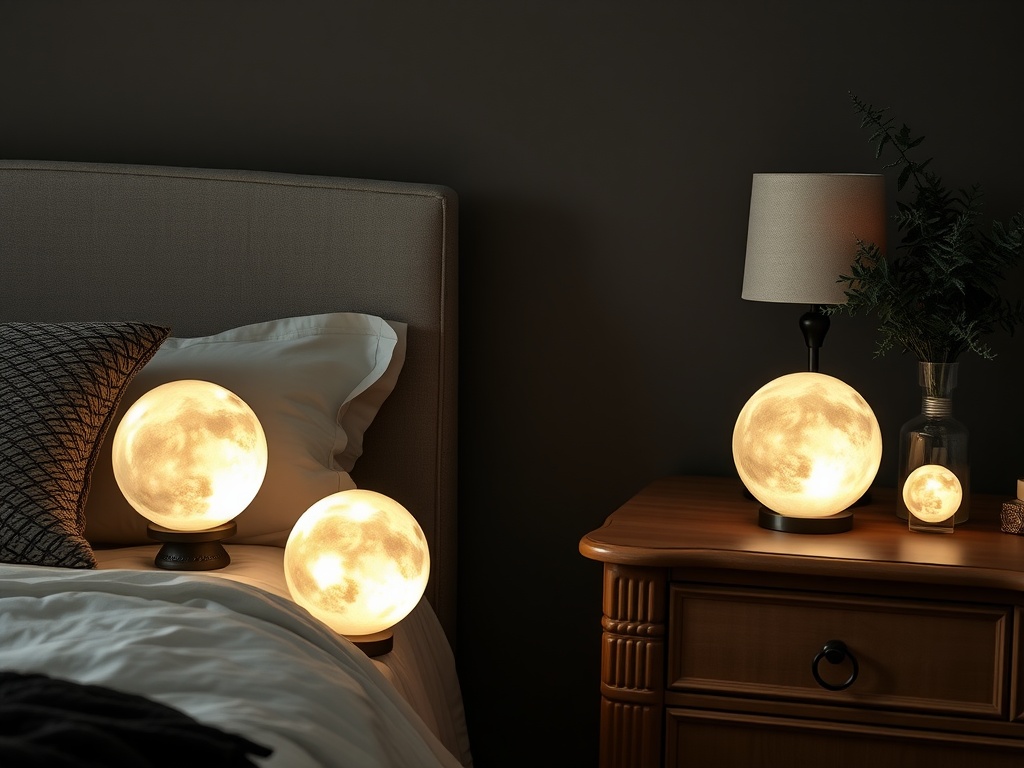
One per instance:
(421, 665)
(231, 656)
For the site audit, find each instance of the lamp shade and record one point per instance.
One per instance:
(189, 455)
(807, 445)
(358, 561)
(803, 230)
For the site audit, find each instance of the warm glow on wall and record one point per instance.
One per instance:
(358, 561)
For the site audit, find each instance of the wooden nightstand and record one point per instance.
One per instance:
(712, 626)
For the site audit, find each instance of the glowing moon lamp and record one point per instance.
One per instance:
(932, 493)
(189, 456)
(807, 446)
(358, 561)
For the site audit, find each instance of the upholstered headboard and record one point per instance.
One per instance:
(206, 250)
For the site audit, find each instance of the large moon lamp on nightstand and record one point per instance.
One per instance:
(807, 446)
(358, 561)
(189, 456)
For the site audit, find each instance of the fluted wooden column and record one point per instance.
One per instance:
(632, 666)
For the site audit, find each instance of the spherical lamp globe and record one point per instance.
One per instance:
(932, 493)
(806, 445)
(358, 561)
(189, 455)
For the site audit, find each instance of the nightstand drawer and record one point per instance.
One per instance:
(699, 739)
(910, 655)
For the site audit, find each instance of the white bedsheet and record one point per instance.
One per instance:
(421, 666)
(230, 655)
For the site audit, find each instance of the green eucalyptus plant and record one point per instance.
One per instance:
(940, 294)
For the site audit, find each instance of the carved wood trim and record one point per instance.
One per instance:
(703, 531)
(633, 666)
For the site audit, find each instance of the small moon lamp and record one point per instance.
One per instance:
(189, 456)
(359, 562)
(933, 494)
(807, 446)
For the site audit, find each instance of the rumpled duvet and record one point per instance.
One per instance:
(230, 656)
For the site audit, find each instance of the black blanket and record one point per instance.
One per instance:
(51, 723)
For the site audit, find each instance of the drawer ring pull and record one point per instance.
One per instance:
(835, 652)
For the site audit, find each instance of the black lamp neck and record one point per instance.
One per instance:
(815, 324)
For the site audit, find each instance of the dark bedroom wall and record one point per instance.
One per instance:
(603, 153)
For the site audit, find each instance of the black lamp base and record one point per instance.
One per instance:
(837, 523)
(192, 550)
(376, 644)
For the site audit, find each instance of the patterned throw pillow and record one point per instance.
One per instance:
(60, 384)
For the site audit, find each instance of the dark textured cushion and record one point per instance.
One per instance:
(47, 721)
(60, 384)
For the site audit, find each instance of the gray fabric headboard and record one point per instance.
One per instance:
(206, 250)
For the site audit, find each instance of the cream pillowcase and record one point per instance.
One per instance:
(316, 383)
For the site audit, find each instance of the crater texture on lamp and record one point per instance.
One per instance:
(358, 561)
(933, 493)
(807, 445)
(189, 455)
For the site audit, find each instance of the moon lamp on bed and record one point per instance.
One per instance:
(807, 446)
(358, 561)
(189, 456)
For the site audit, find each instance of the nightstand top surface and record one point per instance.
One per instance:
(708, 522)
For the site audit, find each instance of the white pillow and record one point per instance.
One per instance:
(315, 382)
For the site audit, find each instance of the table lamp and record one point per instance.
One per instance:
(807, 446)
(358, 561)
(189, 456)
(933, 494)
(802, 234)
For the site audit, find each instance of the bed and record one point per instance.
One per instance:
(329, 301)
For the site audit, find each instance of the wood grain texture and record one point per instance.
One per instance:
(914, 655)
(702, 739)
(707, 522)
(711, 626)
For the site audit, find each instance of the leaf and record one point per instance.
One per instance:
(937, 294)
(904, 175)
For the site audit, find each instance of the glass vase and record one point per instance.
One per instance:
(934, 436)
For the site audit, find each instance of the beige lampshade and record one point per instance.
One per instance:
(803, 230)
